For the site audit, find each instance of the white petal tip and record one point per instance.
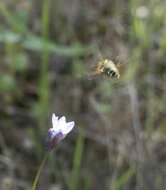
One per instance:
(53, 115)
(54, 120)
(68, 128)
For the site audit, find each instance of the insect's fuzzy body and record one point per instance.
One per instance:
(108, 68)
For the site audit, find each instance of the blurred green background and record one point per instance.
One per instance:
(47, 52)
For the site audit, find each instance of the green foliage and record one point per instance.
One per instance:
(74, 180)
(124, 178)
(29, 41)
(33, 84)
(21, 62)
(7, 84)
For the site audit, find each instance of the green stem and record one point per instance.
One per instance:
(39, 171)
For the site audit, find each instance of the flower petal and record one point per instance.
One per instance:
(62, 122)
(51, 142)
(51, 134)
(54, 120)
(60, 128)
(68, 127)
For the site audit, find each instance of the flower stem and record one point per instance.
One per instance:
(39, 171)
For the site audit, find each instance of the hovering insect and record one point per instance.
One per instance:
(108, 68)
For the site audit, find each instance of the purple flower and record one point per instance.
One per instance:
(60, 128)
